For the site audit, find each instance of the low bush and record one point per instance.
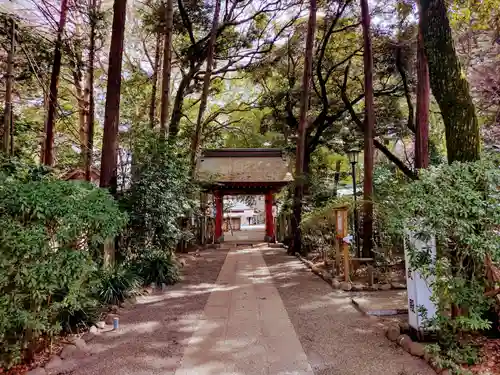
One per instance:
(48, 282)
(158, 267)
(117, 284)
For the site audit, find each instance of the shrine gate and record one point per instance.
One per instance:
(243, 171)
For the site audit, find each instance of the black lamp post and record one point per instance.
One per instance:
(353, 159)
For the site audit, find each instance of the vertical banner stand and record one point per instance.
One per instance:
(419, 290)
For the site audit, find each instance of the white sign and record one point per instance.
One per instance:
(419, 291)
(340, 223)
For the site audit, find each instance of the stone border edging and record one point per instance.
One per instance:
(76, 347)
(348, 286)
(395, 333)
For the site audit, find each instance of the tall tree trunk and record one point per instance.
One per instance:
(81, 93)
(179, 101)
(112, 108)
(154, 83)
(195, 141)
(7, 113)
(48, 157)
(296, 246)
(449, 84)
(90, 85)
(368, 133)
(423, 99)
(167, 67)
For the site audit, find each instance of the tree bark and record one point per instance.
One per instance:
(423, 100)
(154, 79)
(7, 113)
(179, 101)
(167, 67)
(368, 133)
(449, 84)
(112, 108)
(48, 157)
(90, 86)
(296, 246)
(195, 141)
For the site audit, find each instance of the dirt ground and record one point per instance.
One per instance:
(337, 338)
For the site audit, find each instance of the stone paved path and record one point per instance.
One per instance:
(245, 328)
(255, 311)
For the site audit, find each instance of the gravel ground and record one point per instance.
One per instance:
(337, 339)
(154, 332)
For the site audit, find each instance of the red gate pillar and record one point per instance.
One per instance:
(269, 218)
(219, 236)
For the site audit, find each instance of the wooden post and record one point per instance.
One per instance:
(341, 229)
(269, 217)
(218, 217)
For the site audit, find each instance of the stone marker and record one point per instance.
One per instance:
(101, 325)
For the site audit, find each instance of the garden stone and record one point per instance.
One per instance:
(398, 286)
(68, 351)
(101, 325)
(417, 349)
(336, 284)
(93, 330)
(373, 287)
(346, 286)
(54, 363)
(37, 371)
(404, 341)
(405, 326)
(358, 287)
(385, 287)
(393, 333)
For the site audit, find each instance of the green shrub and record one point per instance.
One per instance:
(117, 284)
(47, 280)
(319, 225)
(459, 205)
(157, 267)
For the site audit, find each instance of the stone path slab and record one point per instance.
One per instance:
(245, 327)
(389, 302)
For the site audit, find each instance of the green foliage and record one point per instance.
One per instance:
(319, 225)
(47, 279)
(459, 205)
(117, 284)
(159, 197)
(158, 267)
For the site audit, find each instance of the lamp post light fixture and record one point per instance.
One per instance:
(353, 156)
